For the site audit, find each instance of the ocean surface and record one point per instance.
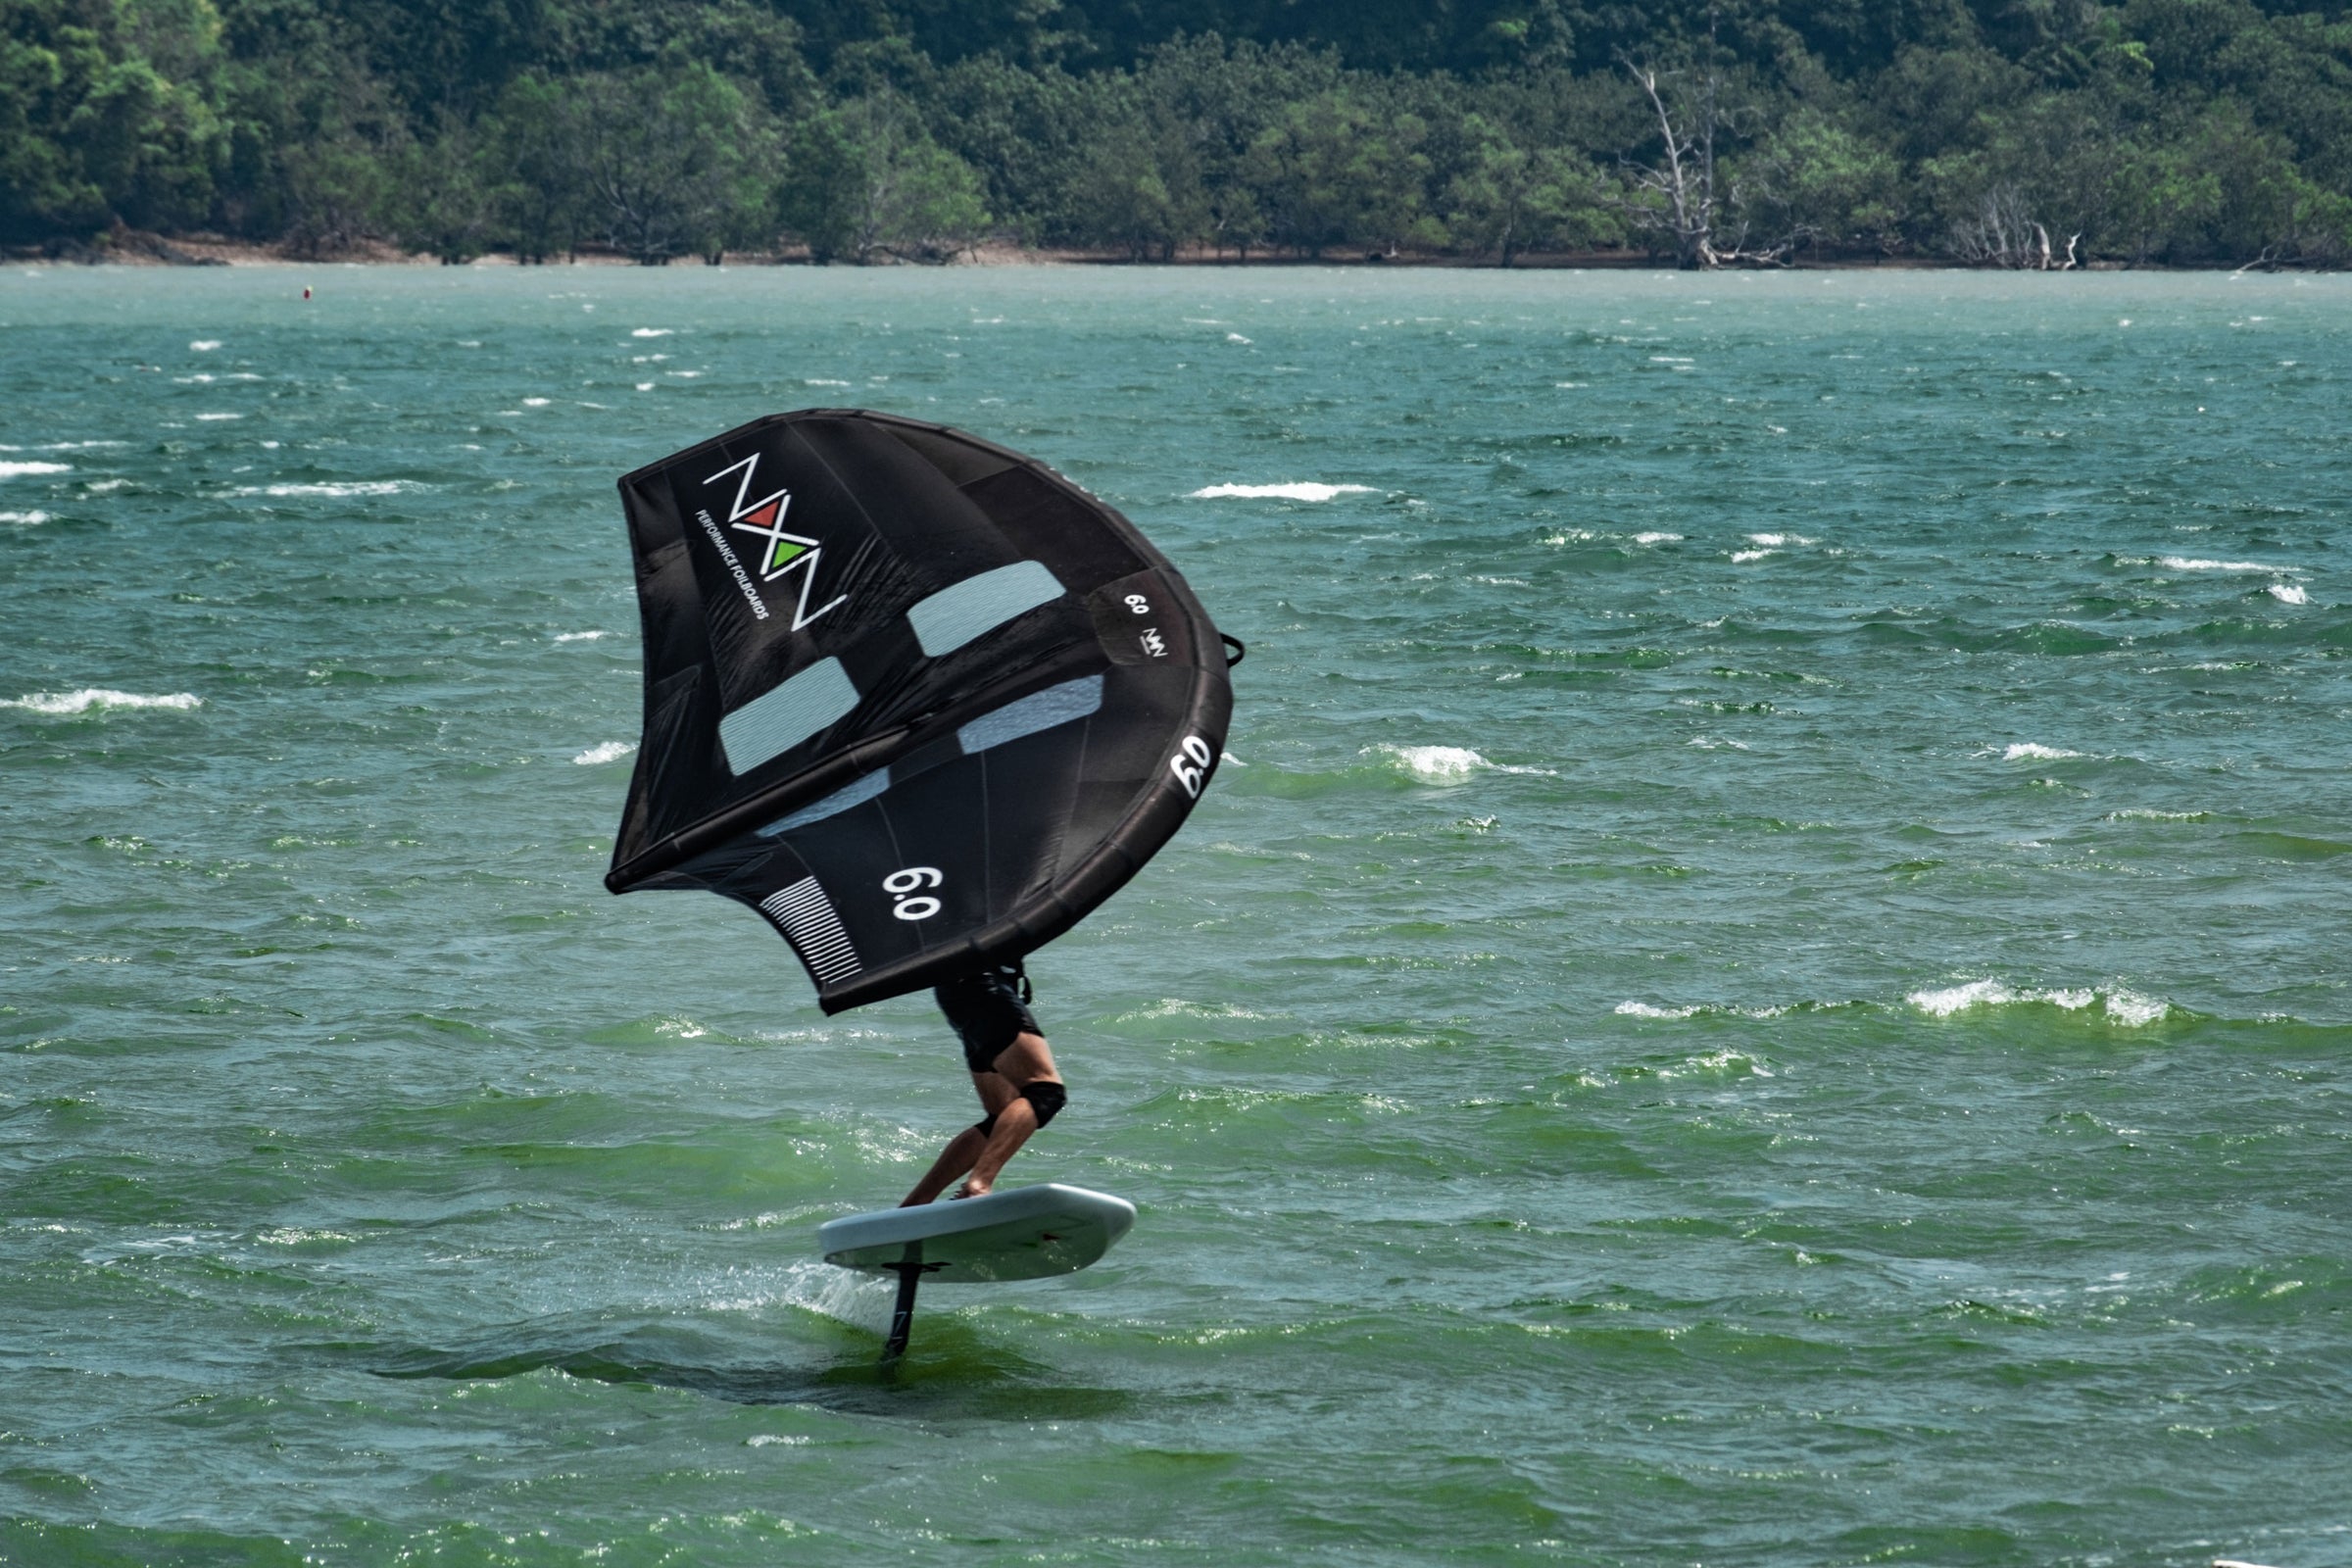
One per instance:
(1767, 982)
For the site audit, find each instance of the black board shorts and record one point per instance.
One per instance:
(985, 1007)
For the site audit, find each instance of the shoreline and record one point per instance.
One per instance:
(143, 249)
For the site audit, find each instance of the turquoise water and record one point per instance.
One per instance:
(1767, 983)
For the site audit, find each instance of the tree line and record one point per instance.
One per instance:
(1704, 132)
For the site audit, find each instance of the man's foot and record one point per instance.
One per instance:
(972, 1190)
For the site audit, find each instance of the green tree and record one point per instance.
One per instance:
(867, 184)
(446, 197)
(1139, 184)
(50, 69)
(535, 175)
(1330, 172)
(1026, 133)
(1209, 101)
(822, 198)
(91, 131)
(339, 191)
(670, 159)
(927, 206)
(1814, 180)
(2261, 194)
(1514, 198)
(2160, 201)
(1936, 102)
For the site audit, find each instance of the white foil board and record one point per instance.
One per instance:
(1023, 1233)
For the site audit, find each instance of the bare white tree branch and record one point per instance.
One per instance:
(1683, 195)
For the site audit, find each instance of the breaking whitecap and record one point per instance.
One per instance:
(609, 752)
(18, 470)
(2200, 563)
(1437, 764)
(2122, 1006)
(2132, 1010)
(1445, 764)
(1279, 492)
(100, 697)
(2188, 563)
(348, 488)
(1580, 536)
(1644, 1009)
(2287, 592)
(2035, 752)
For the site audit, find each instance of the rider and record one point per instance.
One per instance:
(1013, 1069)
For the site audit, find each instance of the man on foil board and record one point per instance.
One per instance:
(1012, 1071)
(922, 703)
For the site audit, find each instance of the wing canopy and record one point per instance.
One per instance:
(916, 699)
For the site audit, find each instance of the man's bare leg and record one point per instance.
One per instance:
(953, 1161)
(1027, 1061)
(964, 1148)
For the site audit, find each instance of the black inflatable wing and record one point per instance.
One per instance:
(916, 699)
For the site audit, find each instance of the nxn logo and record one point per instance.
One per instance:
(786, 552)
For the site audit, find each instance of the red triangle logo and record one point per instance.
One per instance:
(763, 517)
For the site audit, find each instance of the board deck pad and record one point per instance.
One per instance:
(1024, 1233)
